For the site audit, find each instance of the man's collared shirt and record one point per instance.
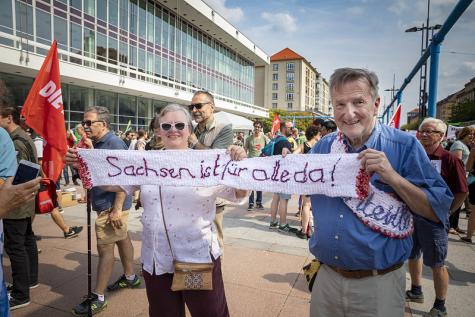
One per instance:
(215, 135)
(102, 200)
(341, 239)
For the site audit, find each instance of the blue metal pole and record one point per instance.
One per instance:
(433, 79)
(457, 11)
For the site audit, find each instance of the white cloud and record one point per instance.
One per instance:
(470, 65)
(355, 11)
(280, 22)
(398, 7)
(233, 15)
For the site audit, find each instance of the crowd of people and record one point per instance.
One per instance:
(362, 270)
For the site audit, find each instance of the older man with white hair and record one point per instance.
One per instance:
(363, 273)
(430, 238)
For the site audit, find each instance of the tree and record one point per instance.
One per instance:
(464, 111)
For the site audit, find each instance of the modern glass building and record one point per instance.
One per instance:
(132, 56)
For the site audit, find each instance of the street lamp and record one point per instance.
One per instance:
(423, 72)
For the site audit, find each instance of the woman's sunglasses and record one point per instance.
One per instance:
(168, 126)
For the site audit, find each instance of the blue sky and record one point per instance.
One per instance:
(359, 33)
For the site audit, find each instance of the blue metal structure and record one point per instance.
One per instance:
(433, 51)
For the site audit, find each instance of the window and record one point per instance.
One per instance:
(102, 10)
(275, 76)
(290, 96)
(76, 38)
(275, 67)
(123, 14)
(290, 76)
(6, 18)
(60, 32)
(274, 105)
(76, 4)
(90, 7)
(43, 27)
(101, 49)
(113, 12)
(133, 16)
(274, 96)
(290, 67)
(275, 86)
(290, 86)
(290, 105)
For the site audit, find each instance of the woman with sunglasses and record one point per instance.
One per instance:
(188, 214)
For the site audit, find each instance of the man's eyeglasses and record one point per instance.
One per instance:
(177, 125)
(90, 122)
(431, 132)
(257, 127)
(197, 106)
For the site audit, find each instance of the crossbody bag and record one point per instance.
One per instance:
(188, 276)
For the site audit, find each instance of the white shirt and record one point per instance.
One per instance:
(189, 214)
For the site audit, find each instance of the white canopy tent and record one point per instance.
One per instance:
(238, 122)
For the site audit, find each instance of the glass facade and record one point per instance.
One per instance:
(136, 38)
(123, 108)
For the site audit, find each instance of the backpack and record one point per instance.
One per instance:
(268, 150)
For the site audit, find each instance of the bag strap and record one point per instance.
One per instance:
(166, 231)
(165, 224)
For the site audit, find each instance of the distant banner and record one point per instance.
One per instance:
(334, 175)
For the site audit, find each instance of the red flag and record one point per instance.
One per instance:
(395, 119)
(275, 124)
(43, 112)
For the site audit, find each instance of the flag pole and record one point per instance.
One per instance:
(89, 253)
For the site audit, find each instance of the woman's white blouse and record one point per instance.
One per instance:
(189, 213)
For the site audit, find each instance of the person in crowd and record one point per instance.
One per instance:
(155, 142)
(318, 122)
(280, 201)
(130, 137)
(253, 146)
(189, 230)
(71, 140)
(141, 140)
(68, 231)
(312, 134)
(363, 272)
(429, 238)
(112, 216)
(461, 149)
(328, 127)
(301, 139)
(12, 197)
(470, 168)
(210, 133)
(20, 241)
(289, 125)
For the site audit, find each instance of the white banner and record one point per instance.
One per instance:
(335, 175)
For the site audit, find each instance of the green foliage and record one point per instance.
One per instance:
(411, 126)
(301, 124)
(464, 111)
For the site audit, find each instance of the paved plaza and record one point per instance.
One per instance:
(261, 268)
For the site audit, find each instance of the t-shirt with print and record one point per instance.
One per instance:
(255, 145)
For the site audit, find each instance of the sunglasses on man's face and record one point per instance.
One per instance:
(168, 126)
(90, 122)
(197, 106)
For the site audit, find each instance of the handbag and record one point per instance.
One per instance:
(188, 276)
(45, 200)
